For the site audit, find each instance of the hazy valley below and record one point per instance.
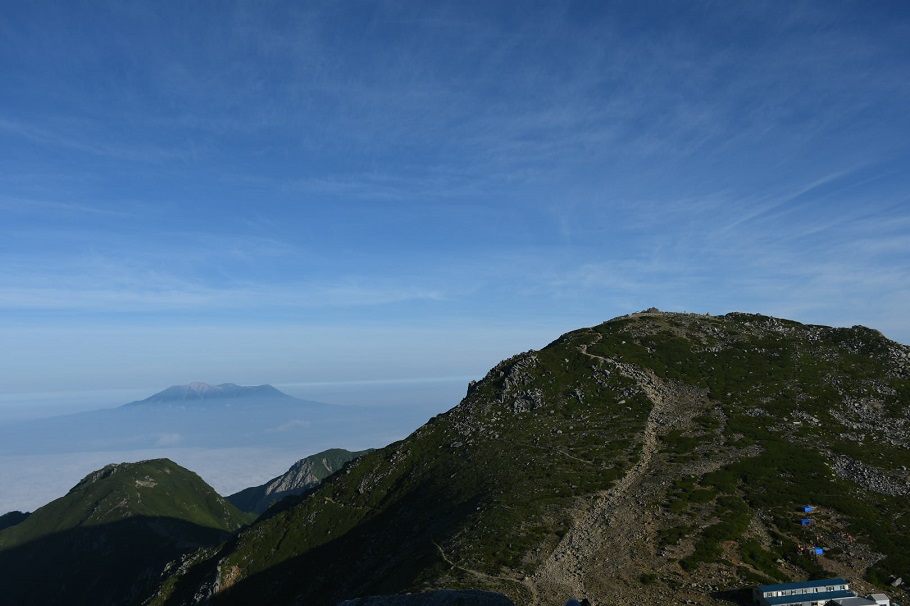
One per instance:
(41, 458)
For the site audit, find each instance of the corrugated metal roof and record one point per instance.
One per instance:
(801, 585)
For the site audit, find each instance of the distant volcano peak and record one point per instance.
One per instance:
(200, 386)
(199, 390)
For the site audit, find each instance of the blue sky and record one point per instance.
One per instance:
(292, 192)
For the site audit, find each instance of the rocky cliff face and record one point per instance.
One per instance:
(655, 458)
(303, 476)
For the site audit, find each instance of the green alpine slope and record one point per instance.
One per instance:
(655, 458)
(108, 539)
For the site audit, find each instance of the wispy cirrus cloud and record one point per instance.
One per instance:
(39, 206)
(181, 296)
(417, 163)
(87, 137)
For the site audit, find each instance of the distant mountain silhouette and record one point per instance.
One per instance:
(200, 415)
(198, 391)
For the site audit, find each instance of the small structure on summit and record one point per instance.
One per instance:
(814, 593)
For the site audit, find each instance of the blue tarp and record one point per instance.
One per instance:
(808, 509)
(805, 521)
(819, 551)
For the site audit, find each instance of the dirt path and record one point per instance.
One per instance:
(585, 563)
(535, 599)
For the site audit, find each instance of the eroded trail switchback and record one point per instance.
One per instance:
(586, 561)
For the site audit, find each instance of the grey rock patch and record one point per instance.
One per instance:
(871, 478)
(444, 597)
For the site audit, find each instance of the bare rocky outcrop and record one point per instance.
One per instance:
(303, 476)
(443, 597)
(895, 483)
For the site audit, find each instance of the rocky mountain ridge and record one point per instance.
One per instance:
(655, 458)
(304, 475)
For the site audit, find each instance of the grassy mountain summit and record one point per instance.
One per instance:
(157, 488)
(12, 518)
(654, 458)
(107, 540)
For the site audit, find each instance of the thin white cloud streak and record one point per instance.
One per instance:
(756, 209)
(814, 251)
(785, 114)
(777, 283)
(261, 297)
(24, 205)
(789, 213)
(622, 96)
(192, 271)
(837, 199)
(428, 185)
(123, 356)
(77, 138)
(509, 132)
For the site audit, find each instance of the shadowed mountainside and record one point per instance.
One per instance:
(12, 518)
(304, 475)
(109, 538)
